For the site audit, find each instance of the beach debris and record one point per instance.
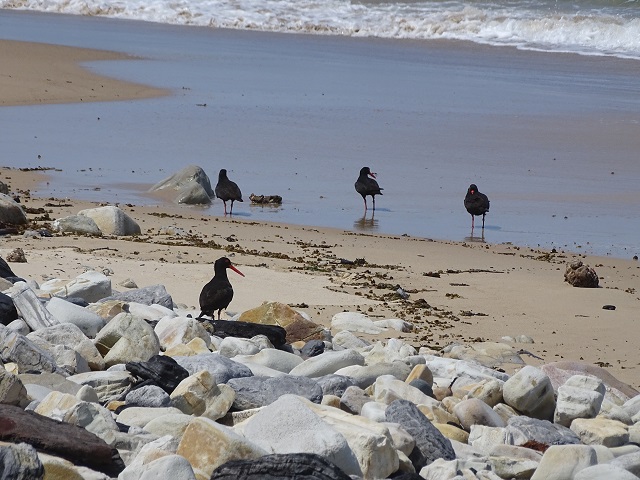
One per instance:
(192, 183)
(608, 307)
(402, 293)
(581, 275)
(4, 188)
(265, 199)
(17, 256)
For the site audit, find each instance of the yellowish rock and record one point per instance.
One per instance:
(420, 372)
(207, 445)
(452, 433)
(276, 313)
(56, 402)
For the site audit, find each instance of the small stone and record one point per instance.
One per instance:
(128, 283)
(17, 256)
(580, 275)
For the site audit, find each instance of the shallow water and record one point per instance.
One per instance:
(552, 139)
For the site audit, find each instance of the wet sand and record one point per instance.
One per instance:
(551, 138)
(459, 292)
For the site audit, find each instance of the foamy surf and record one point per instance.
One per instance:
(591, 28)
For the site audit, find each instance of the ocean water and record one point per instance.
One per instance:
(593, 27)
(551, 138)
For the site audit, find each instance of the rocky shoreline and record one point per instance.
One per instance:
(359, 364)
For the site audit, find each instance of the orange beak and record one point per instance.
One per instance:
(236, 270)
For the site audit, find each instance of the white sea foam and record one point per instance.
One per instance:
(593, 28)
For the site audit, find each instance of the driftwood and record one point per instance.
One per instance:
(265, 199)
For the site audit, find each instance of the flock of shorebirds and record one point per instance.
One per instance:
(217, 294)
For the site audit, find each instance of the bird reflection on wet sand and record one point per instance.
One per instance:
(475, 238)
(366, 224)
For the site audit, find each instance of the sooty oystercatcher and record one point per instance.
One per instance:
(217, 294)
(476, 203)
(368, 186)
(227, 190)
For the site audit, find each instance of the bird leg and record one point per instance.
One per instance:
(225, 206)
(483, 220)
(374, 201)
(365, 203)
(231, 211)
(472, 221)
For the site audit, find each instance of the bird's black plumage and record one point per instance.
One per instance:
(368, 186)
(218, 293)
(227, 190)
(476, 203)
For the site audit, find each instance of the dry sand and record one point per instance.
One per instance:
(459, 292)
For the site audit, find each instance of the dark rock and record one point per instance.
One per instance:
(292, 466)
(406, 476)
(151, 295)
(81, 302)
(353, 399)
(20, 462)
(423, 386)
(8, 312)
(220, 367)
(228, 328)
(5, 269)
(312, 348)
(160, 370)
(608, 307)
(430, 443)
(580, 275)
(61, 439)
(333, 384)
(254, 392)
(522, 429)
(148, 396)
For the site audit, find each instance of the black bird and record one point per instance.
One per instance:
(368, 186)
(476, 203)
(227, 190)
(217, 294)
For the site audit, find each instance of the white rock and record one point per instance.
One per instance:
(174, 467)
(486, 439)
(272, 358)
(91, 286)
(78, 225)
(140, 416)
(29, 307)
(530, 391)
(354, 322)
(232, 346)
(347, 340)
(599, 472)
(374, 411)
(127, 338)
(112, 220)
(11, 211)
(562, 462)
(600, 431)
(150, 312)
(173, 331)
(579, 397)
(327, 362)
(394, 324)
(288, 425)
(387, 388)
(66, 312)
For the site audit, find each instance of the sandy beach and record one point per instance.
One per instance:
(458, 291)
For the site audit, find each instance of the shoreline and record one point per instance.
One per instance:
(459, 292)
